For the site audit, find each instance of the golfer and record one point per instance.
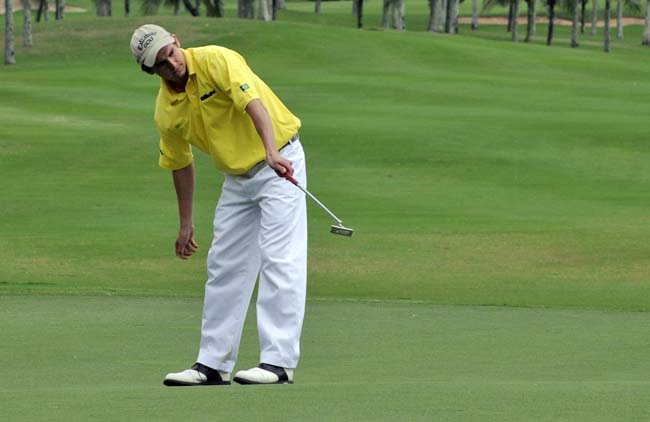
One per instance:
(210, 99)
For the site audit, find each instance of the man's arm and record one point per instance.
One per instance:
(184, 185)
(264, 126)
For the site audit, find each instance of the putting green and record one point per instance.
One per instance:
(103, 359)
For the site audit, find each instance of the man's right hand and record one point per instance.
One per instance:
(185, 244)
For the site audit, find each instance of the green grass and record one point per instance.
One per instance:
(107, 356)
(511, 179)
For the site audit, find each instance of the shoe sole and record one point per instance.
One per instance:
(244, 381)
(172, 383)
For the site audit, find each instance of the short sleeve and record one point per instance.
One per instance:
(174, 154)
(236, 79)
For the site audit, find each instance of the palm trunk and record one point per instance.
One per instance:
(359, 13)
(398, 14)
(551, 19)
(42, 11)
(515, 20)
(619, 19)
(432, 15)
(574, 25)
(474, 15)
(646, 27)
(191, 8)
(384, 14)
(594, 17)
(509, 27)
(532, 16)
(606, 29)
(583, 9)
(440, 15)
(451, 23)
(59, 10)
(317, 6)
(127, 8)
(27, 23)
(10, 48)
(263, 10)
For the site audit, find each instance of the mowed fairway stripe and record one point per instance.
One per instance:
(103, 358)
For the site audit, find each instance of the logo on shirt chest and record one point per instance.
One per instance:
(208, 95)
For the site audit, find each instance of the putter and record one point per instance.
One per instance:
(337, 228)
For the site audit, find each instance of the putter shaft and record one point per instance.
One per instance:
(295, 182)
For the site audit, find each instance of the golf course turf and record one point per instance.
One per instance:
(498, 192)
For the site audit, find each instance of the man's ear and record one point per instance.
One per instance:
(177, 41)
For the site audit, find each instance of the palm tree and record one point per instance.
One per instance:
(451, 22)
(583, 9)
(606, 29)
(396, 14)
(10, 50)
(532, 16)
(474, 15)
(646, 30)
(27, 23)
(59, 9)
(632, 5)
(551, 21)
(594, 17)
(514, 26)
(104, 8)
(42, 11)
(574, 25)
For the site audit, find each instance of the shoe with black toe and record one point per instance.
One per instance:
(197, 375)
(265, 373)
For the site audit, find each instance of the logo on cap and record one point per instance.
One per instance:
(146, 40)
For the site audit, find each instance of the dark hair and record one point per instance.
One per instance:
(147, 69)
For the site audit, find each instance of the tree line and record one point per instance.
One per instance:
(443, 15)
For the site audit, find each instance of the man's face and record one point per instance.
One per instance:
(170, 63)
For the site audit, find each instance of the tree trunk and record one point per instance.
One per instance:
(583, 9)
(218, 9)
(451, 22)
(574, 25)
(474, 15)
(594, 17)
(551, 21)
(27, 23)
(606, 29)
(10, 48)
(59, 10)
(619, 19)
(43, 11)
(177, 7)
(646, 27)
(440, 15)
(384, 14)
(359, 13)
(317, 6)
(509, 27)
(397, 7)
(104, 8)
(263, 10)
(127, 8)
(246, 9)
(515, 20)
(532, 16)
(194, 11)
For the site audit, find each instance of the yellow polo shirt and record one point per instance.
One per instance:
(211, 113)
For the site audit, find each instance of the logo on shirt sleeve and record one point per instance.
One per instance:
(244, 87)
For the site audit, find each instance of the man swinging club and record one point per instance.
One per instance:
(210, 99)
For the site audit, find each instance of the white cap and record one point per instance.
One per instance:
(147, 41)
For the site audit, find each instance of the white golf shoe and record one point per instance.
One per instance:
(197, 375)
(265, 374)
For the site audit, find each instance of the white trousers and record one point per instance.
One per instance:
(260, 228)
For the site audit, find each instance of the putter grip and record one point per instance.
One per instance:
(290, 178)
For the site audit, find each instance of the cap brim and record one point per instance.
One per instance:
(152, 51)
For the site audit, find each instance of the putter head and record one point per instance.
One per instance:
(340, 229)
